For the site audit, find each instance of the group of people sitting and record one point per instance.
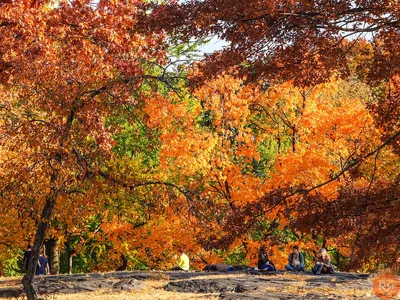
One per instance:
(296, 262)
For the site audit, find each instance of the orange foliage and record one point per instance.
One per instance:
(64, 69)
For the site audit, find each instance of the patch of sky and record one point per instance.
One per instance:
(212, 45)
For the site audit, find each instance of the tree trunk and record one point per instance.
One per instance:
(70, 256)
(323, 241)
(47, 211)
(337, 256)
(294, 139)
(27, 280)
(54, 257)
(124, 265)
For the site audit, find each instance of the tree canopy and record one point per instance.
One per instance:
(120, 144)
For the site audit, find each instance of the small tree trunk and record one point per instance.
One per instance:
(323, 242)
(54, 258)
(338, 259)
(27, 280)
(294, 138)
(124, 265)
(70, 256)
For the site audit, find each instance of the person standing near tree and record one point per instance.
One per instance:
(42, 267)
(27, 256)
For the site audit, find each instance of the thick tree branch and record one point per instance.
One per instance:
(187, 193)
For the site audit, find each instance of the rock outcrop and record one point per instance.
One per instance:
(229, 285)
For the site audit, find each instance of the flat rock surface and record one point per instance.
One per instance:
(226, 285)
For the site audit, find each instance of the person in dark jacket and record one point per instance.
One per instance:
(27, 256)
(42, 267)
(296, 261)
(263, 261)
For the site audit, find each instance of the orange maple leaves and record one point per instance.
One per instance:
(314, 134)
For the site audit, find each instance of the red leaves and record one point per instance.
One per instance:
(282, 40)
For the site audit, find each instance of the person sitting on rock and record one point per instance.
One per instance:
(182, 262)
(263, 261)
(296, 261)
(323, 263)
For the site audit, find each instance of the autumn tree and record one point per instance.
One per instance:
(308, 142)
(307, 42)
(105, 146)
(64, 69)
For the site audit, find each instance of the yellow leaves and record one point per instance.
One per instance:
(9, 55)
(228, 101)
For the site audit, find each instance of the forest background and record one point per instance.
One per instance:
(120, 142)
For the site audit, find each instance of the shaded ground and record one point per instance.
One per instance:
(196, 285)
